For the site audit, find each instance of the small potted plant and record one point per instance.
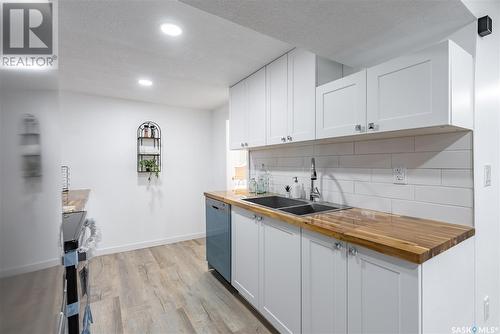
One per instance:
(150, 166)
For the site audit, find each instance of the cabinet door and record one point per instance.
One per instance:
(277, 100)
(280, 275)
(383, 293)
(301, 95)
(245, 254)
(409, 92)
(238, 115)
(324, 284)
(256, 103)
(341, 107)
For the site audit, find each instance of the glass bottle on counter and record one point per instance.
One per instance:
(263, 180)
(252, 186)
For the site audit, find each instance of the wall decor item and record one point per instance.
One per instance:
(149, 149)
(31, 157)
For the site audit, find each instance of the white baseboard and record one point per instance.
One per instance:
(146, 244)
(30, 267)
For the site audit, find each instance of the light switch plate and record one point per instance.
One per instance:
(487, 175)
(399, 175)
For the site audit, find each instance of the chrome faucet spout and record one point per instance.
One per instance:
(314, 193)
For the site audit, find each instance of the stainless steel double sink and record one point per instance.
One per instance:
(295, 206)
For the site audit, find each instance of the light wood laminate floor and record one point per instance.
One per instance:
(164, 289)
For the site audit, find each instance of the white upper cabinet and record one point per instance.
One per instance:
(238, 115)
(256, 102)
(245, 233)
(301, 95)
(324, 284)
(277, 100)
(291, 87)
(247, 110)
(383, 293)
(429, 88)
(341, 107)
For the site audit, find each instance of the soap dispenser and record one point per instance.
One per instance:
(296, 189)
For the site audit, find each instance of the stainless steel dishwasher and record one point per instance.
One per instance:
(218, 226)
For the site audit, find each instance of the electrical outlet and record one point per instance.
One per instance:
(399, 175)
(486, 302)
(487, 175)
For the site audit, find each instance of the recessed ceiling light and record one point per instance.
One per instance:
(145, 82)
(171, 29)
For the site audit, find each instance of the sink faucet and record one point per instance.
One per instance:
(315, 194)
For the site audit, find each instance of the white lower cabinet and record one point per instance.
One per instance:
(245, 230)
(280, 275)
(304, 282)
(324, 284)
(383, 293)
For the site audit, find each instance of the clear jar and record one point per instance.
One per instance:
(252, 186)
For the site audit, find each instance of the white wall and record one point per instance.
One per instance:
(486, 151)
(219, 147)
(99, 146)
(360, 174)
(30, 212)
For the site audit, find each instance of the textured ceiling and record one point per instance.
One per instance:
(357, 33)
(105, 46)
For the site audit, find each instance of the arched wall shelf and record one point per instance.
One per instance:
(148, 147)
(30, 147)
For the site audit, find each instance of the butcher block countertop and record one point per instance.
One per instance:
(75, 200)
(412, 239)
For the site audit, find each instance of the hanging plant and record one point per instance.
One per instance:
(150, 166)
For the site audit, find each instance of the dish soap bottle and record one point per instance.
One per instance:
(296, 189)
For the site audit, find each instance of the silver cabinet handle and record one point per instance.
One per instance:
(353, 251)
(283, 139)
(371, 126)
(358, 127)
(242, 145)
(289, 138)
(338, 245)
(246, 144)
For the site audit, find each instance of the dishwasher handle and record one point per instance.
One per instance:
(216, 205)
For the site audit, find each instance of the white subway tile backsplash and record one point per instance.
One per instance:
(457, 178)
(444, 141)
(445, 195)
(392, 145)
(439, 174)
(445, 213)
(336, 185)
(382, 175)
(350, 174)
(290, 162)
(402, 191)
(443, 159)
(334, 149)
(366, 161)
(327, 161)
(414, 176)
(367, 202)
(424, 176)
